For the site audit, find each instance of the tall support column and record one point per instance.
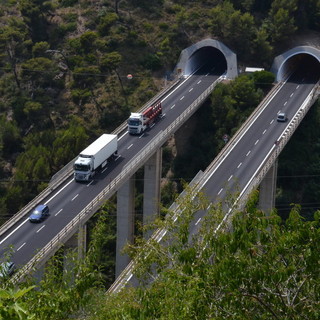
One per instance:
(77, 241)
(267, 193)
(125, 222)
(151, 192)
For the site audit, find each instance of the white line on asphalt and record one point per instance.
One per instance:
(220, 191)
(271, 121)
(41, 228)
(199, 82)
(75, 197)
(140, 136)
(230, 177)
(21, 246)
(291, 94)
(265, 130)
(172, 106)
(285, 103)
(58, 212)
(58, 192)
(190, 89)
(256, 142)
(104, 169)
(130, 146)
(182, 98)
(207, 74)
(298, 86)
(198, 221)
(248, 153)
(89, 183)
(14, 230)
(239, 165)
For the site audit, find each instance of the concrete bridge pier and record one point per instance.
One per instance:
(125, 222)
(267, 188)
(151, 191)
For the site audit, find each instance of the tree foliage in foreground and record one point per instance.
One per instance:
(265, 268)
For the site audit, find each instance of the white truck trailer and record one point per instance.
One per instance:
(95, 156)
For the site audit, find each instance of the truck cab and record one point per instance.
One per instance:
(135, 123)
(83, 168)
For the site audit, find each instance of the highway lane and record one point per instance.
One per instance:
(240, 165)
(26, 238)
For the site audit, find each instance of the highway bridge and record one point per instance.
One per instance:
(242, 164)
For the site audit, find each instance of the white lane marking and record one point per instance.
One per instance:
(285, 103)
(58, 192)
(118, 157)
(207, 74)
(123, 135)
(58, 212)
(21, 246)
(248, 153)
(89, 183)
(230, 177)
(291, 94)
(297, 86)
(172, 106)
(278, 111)
(182, 98)
(139, 138)
(130, 146)
(40, 228)
(152, 125)
(256, 142)
(198, 221)
(190, 89)
(265, 130)
(163, 115)
(199, 82)
(220, 191)
(271, 121)
(239, 165)
(14, 230)
(104, 169)
(75, 197)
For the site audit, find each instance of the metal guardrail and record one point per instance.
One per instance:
(67, 170)
(112, 187)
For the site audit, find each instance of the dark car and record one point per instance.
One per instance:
(7, 269)
(39, 213)
(282, 117)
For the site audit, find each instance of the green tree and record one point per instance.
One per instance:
(12, 40)
(255, 267)
(282, 22)
(12, 306)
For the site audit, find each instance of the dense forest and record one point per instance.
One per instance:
(63, 82)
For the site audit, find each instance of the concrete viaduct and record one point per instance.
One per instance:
(190, 60)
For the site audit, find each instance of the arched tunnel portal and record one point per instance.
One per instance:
(303, 57)
(208, 55)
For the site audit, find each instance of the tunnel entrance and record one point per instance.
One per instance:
(207, 55)
(306, 59)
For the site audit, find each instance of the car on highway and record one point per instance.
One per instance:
(282, 117)
(7, 268)
(39, 213)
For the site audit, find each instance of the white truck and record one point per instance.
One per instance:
(95, 156)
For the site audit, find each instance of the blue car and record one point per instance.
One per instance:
(39, 213)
